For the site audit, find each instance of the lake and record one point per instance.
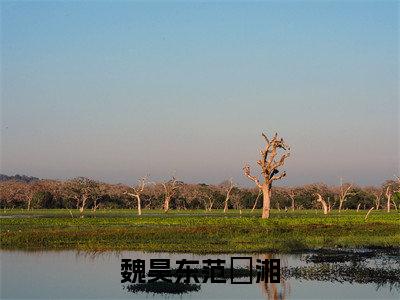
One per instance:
(81, 275)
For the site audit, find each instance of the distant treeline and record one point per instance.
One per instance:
(22, 178)
(83, 193)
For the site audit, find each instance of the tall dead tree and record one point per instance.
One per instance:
(388, 194)
(237, 202)
(137, 192)
(269, 169)
(324, 205)
(396, 193)
(378, 195)
(292, 195)
(228, 194)
(170, 188)
(344, 191)
(208, 202)
(392, 192)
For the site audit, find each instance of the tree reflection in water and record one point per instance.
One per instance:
(275, 291)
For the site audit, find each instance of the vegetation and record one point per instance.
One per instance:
(197, 231)
(84, 194)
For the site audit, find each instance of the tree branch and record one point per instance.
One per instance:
(246, 172)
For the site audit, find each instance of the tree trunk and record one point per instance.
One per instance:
(388, 196)
(226, 205)
(255, 203)
(378, 203)
(166, 203)
(366, 216)
(266, 202)
(358, 206)
(82, 207)
(394, 204)
(139, 206)
(324, 205)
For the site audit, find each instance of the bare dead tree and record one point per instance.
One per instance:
(170, 188)
(378, 195)
(269, 169)
(392, 192)
(369, 211)
(343, 193)
(208, 202)
(397, 193)
(292, 195)
(255, 202)
(324, 205)
(82, 190)
(237, 202)
(388, 194)
(138, 191)
(228, 194)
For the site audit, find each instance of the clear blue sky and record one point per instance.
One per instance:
(117, 90)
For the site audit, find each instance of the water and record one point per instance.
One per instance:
(83, 275)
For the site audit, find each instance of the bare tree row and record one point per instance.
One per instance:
(83, 193)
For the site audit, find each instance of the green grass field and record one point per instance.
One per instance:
(197, 231)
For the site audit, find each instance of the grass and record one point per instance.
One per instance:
(197, 231)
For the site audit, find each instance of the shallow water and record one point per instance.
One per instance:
(82, 275)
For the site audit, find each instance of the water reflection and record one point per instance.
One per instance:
(381, 268)
(174, 287)
(275, 291)
(329, 274)
(163, 288)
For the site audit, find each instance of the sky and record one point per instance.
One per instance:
(118, 90)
